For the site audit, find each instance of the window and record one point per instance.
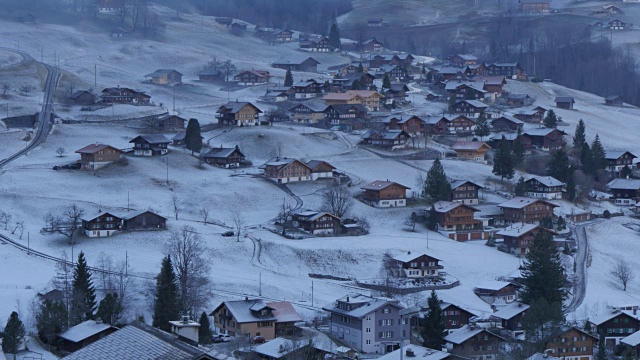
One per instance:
(386, 310)
(368, 342)
(368, 330)
(368, 318)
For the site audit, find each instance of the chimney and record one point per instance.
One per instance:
(347, 298)
(186, 330)
(98, 321)
(246, 298)
(635, 310)
(410, 353)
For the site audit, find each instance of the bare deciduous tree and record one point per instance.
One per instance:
(19, 226)
(5, 87)
(238, 223)
(5, 218)
(623, 273)
(284, 216)
(276, 148)
(67, 224)
(205, 214)
(60, 151)
(190, 260)
(337, 200)
(176, 206)
(411, 220)
(25, 89)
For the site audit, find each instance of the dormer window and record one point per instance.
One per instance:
(264, 312)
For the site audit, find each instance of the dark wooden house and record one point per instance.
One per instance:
(317, 223)
(83, 334)
(150, 145)
(465, 191)
(616, 325)
(385, 194)
(307, 64)
(253, 77)
(455, 216)
(96, 156)
(337, 113)
(526, 210)
(617, 160)
(543, 139)
(238, 113)
(506, 123)
(518, 237)
(614, 100)
(165, 77)
(143, 221)
(120, 95)
(510, 318)
(625, 191)
(172, 123)
(83, 97)
(103, 224)
(565, 102)
(392, 139)
(572, 343)
(413, 125)
(454, 317)
(224, 157)
(474, 342)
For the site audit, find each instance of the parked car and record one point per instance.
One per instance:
(222, 338)
(258, 340)
(227, 233)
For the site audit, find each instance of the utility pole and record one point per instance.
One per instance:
(174, 100)
(260, 284)
(41, 53)
(128, 209)
(311, 292)
(126, 263)
(28, 243)
(95, 75)
(167, 159)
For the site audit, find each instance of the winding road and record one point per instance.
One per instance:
(44, 116)
(580, 278)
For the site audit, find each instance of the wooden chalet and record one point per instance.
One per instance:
(320, 169)
(474, 342)
(572, 343)
(506, 123)
(492, 84)
(307, 89)
(616, 325)
(316, 223)
(82, 97)
(465, 191)
(237, 113)
(617, 25)
(402, 59)
(532, 115)
(455, 216)
(109, 6)
(97, 156)
(300, 63)
(471, 150)
(83, 334)
(491, 290)
(245, 318)
(617, 160)
(526, 210)
(143, 221)
(465, 90)
(534, 6)
(469, 108)
(510, 70)
(625, 191)
(285, 170)
(417, 266)
(395, 73)
(283, 35)
(307, 112)
(253, 77)
(150, 145)
(385, 194)
(454, 316)
(518, 237)
(346, 82)
(397, 94)
(210, 75)
(414, 126)
(103, 224)
(518, 100)
(462, 60)
(120, 95)
(224, 157)
(337, 114)
(392, 139)
(370, 45)
(165, 77)
(614, 100)
(543, 139)
(544, 187)
(564, 102)
(437, 125)
(509, 318)
(367, 98)
(476, 70)
(321, 44)
(172, 122)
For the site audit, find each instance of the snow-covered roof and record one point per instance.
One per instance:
(235, 106)
(380, 185)
(242, 310)
(633, 339)
(295, 60)
(467, 56)
(138, 341)
(419, 352)
(463, 334)
(510, 311)
(220, 152)
(517, 230)
(284, 311)
(494, 285)
(476, 103)
(511, 136)
(128, 215)
(446, 206)
(510, 118)
(520, 202)
(313, 163)
(367, 305)
(93, 217)
(624, 184)
(93, 148)
(469, 145)
(161, 72)
(408, 257)
(608, 315)
(84, 330)
(539, 356)
(152, 139)
(541, 131)
(614, 155)
(549, 181)
(457, 183)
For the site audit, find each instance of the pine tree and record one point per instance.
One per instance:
(14, 335)
(561, 224)
(579, 139)
(83, 298)
(432, 220)
(373, 87)
(360, 68)
(386, 82)
(541, 320)
(193, 137)
(625, 172)
(166, 305)
(288, 78)
(491, 241)
(586, 159)
(518, 150)
(51, 320)
(355, 85)
(503, 162)
(437, 186)
(598, 156)
(205, 333)
(469, 94)
(334, 35)
(602, 348)
(559, 165)
(543, 273)
(433, 331)
(452, 101)
(551, 120)
(482, 126)
(110, 309)
(521, 187)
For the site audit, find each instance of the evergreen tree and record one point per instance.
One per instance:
(586, 159)
(334, 36)
(625, 172)
(373, 87)
(561, 225)
(288, 78)
(51, 320)
(482, 126)
(547, 222)
(503, 162)
(542, 320)
(205, 333)
(491, 241)
(360, 68)
(579, 139)
(452, 101)
(386, 82)
(432, 220)
(355, 85)
(14, 335)
(559, 166)
(571, 186)
(602, 348)
(598, 156)
(193, 137)
(551, 120)
(437, 186)
(166, 305)
(518, 150)
(543, 273)
(433, 331)
(83, 298)
(469, 94)
(110, 309)
(521, 187)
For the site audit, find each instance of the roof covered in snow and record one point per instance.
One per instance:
(510, 311)
(549, 181)
(419, 352)
(380, 185)
(84, 330)
(493, 285)
(367, 305)
(624, 184)
(520, 202)
(517, 230)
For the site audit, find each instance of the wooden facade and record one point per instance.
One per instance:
(480, 343)
(526, 210)
(225, 157)
(287, 170)
(413, 125)
(573, 343)
(457, 216)
(96, 156)
(119, 95)
(465, 192)
(385, 194)
(165, 77)
(238, 114)
(253, 77)
(150, 145)
(471, 150)
(317, 223)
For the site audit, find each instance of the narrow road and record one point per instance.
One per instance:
(580, 281)
(44, 117)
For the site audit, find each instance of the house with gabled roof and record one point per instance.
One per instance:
(150, 145)
(309, 112)
(507, 123)
(97, 156)
(573, 343)
(531, 114)
(469, 108)
(171, 122)
(368, 324)
(391, 139)
(385, 194)
(543, 138)
(518, 100)
(397, 94)
(307, 89)
(283, 348)
(491, 290)
(511, 70)
(245, 318)
(225, 157)
(617, 160)
(253, 77)
(465, 191)
(413, 125)
(544, 187)
(565, 102)
(285, 170)
(316, 44)
(320, 169)
(471, 150)
(465, 90)
(144, 220)
(493, 85)
(338, 114)
(419, 352)
(165, 77)
(615, 325)
(118, 95)
(454, 316)
(518, 237)
(510, 316)
(625, 191)
(372, 44)
(297, 63)
(238, 113)
(474, 342)
(455, 216)
(367, 98)
(461, 60)
(316, 222)
(83, 97)
(102, 224)
(526, 210)
(83, 334)
(417, 266)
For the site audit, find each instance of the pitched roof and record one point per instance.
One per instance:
(77, 94)
(510, 311)
(217, 153)
(152, 139)
(53, 295)
(564, 99)
(520, 202)
(469, 145)
(624, 184)
(84, 330)
(539, 356)
(235, 106)
(446, 206)
(94, 148)
(368, 305)
(465, 333)
(242, 310)
(346, 108)
(314, 163)
(138, 341)
(161, 72)
(284, 312)
(295, 60)
(549, 181)
(541, 131)
(474, 103)
(380, 185)
(633, 339)
(511, 136)
(419, 352)
(608, 315)
(494, 285)
(457, 183)
(511, 119)
(92, 217)
(517, 230)
(408, 257)
(614, 155)
(518, 96)
(129, 216)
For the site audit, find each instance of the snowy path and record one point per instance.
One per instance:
(580, 283)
